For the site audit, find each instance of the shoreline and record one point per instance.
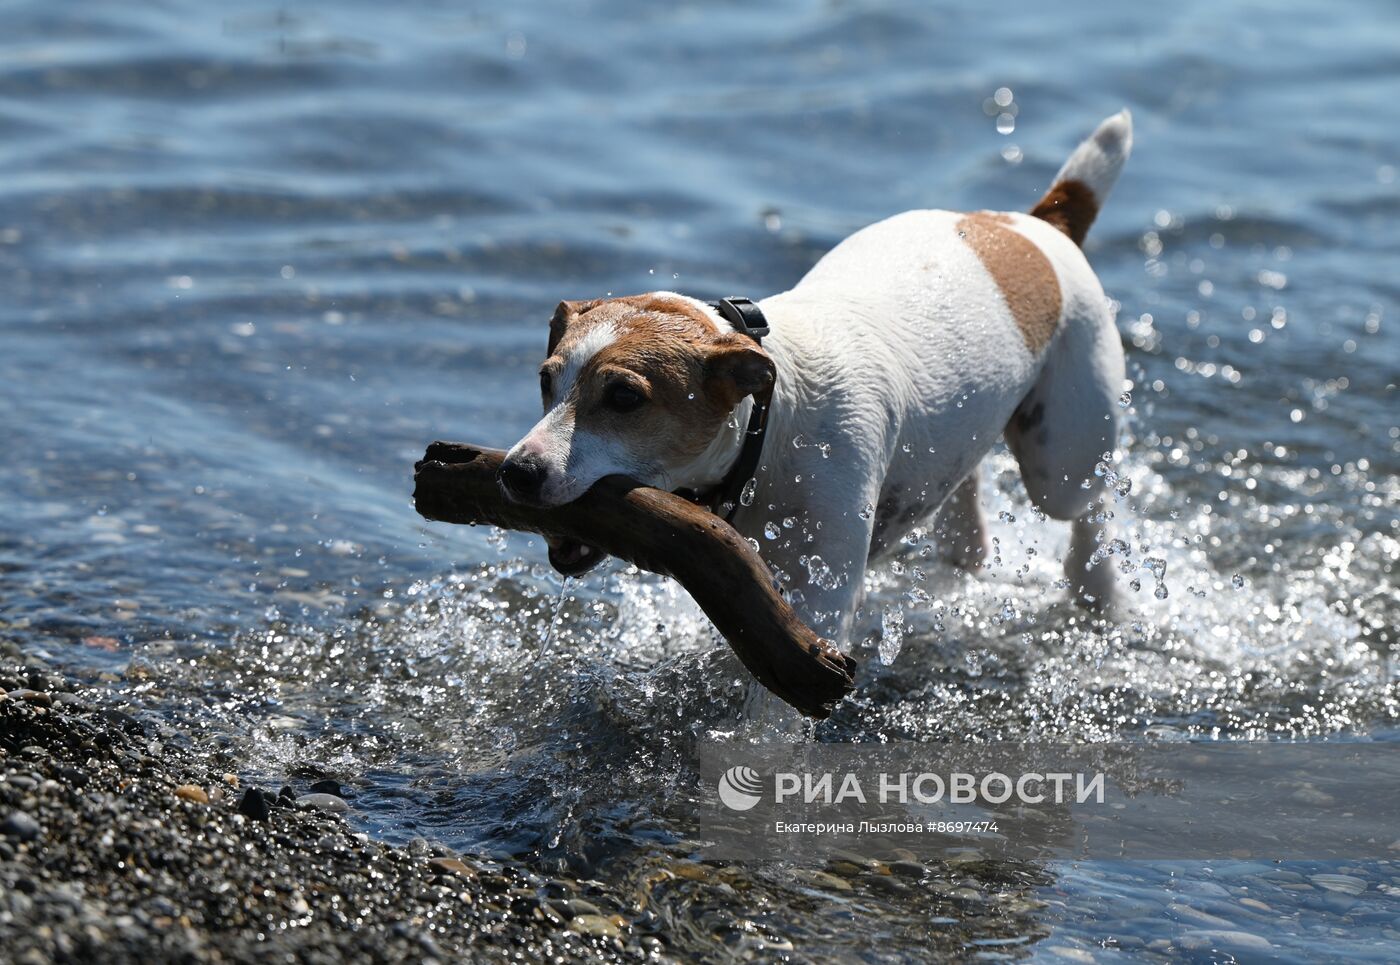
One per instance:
(117, 846)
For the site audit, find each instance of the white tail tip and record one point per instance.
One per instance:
(1097, 162)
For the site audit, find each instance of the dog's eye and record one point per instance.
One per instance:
(546, 383)
(621, 397)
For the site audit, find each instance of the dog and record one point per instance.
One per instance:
(890, 370)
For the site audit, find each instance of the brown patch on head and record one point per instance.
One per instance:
(1022, 272)
(667, 350)
(1070, 206)
(572, 320)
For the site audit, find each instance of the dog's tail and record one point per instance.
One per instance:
(1082, 185)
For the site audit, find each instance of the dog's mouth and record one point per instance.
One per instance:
(572, 558)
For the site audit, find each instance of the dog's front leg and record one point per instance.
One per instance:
(819, 557)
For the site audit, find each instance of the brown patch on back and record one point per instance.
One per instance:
(1022, 272)
(1070, 206)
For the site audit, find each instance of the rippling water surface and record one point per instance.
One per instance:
(254, 259)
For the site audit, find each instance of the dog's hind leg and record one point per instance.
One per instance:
(1063, 427)
(961, 527)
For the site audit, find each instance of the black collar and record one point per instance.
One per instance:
(725, 498)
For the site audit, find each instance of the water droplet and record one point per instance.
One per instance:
(1161, 591)
(746, 494)
(1237, 581)
(789, 522)
(1105, 472)
(891, 634)
(1125, 486)
(799, 441)
(1125, 400)
(820, 574)
(1006, 517)
(867, 511)
(825, 448)
(771, 530)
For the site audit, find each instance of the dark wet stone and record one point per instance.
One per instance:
(572, 907)
(72, 776)
(21, 827)
(326, 787)
(451, 866)
(122, 721)
(885, 883)
(254, 805)
(322, 802)
(908, 869)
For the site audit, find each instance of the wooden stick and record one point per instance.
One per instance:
(666, 534)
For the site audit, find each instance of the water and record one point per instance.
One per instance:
(255, 259)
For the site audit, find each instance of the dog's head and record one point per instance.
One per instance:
(639, 386)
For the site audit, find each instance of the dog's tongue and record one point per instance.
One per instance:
(572, 558)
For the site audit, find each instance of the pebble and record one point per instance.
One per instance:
(595, 926)
(254, 805)
(575, 907)
(20, 826)
(326, 787)
(451, 866)
(908, 869)
(322, 802)
(36, 697)
(1187, 913)
(885, 883)
(1224, 940)
(192, 792)
(823, 879)
(845, 868)
(76, 777)
(1343, 884)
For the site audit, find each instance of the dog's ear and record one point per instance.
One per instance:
(563, 315)
(736, 367)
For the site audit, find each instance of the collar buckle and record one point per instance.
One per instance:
(744, 315)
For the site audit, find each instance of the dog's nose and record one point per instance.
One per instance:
(522, 476)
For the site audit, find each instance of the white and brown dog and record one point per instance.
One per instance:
(893, 366)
